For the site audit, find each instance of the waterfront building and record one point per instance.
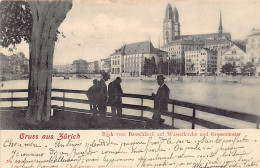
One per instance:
(236, 55)
(93, 67)
(203, 61)
(5, 65)
(220, 51)
(253, 49)
(176, 53)
(81, 66)
(129, 59)
(217, 44)
(105, 64)
(14, 64)
(69, 68)
(176, 44)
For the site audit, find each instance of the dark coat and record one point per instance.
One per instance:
(115, 93)
(161, 99)
(92, 94)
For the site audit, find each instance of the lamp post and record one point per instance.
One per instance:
(168, 58)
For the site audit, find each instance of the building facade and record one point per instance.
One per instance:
(14, 64)
(203, 61)
(236, 55)
(105, 65)
(70, 68)
(176, 53)
(93, 67)
(81, 66)
(253, 49)
(129, 59)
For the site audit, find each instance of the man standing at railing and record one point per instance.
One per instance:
(91, 94)
(102, 101)
(115, 98)
(160, 101)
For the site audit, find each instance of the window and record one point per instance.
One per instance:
(234, 52)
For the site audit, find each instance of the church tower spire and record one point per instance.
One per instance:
(220, 28)
(168, 25)
(176, 23)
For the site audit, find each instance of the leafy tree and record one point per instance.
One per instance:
(149, 66)
(228, 68)
(35, 22)
(153, 66)
(248, 69)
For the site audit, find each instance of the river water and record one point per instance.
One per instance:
(232, 96)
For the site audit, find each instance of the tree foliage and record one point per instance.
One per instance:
(249, 68)
(16, 23)
(149, 66)
(228, 68)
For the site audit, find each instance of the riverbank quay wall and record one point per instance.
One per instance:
(216, 79)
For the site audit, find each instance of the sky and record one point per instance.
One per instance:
(93, 29)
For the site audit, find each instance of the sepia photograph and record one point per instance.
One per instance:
(129, 64)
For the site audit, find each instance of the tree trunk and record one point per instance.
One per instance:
(47, 17)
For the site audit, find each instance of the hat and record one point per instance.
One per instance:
(106, 75)
(160, 77)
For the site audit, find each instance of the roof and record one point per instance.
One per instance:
(255, 34)
(242, 47)
(218, 41)
(239, 46)
(168, 12)
(184, 42)
(204, 36)
(145, 47)
(199, 50)
(119, 51)
(209, 51)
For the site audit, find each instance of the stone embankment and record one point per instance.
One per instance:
(216, 79)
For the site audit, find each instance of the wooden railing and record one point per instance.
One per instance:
(193, 119)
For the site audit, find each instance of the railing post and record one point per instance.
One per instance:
(12, 96)
(193, 117)
(63, 101)
(142, 103)
(172, 115)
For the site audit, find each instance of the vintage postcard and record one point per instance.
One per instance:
(127, 83)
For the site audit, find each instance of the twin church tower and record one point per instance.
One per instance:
(171, 25)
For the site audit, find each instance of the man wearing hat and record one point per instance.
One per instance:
(160, 100)
(102, 104)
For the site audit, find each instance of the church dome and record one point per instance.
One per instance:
(168, 13)
(175, 14)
